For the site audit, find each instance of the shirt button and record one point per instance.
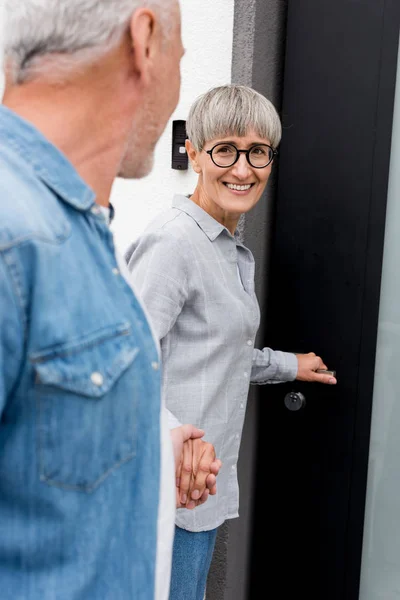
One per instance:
(241, 405)
(95, 210)
(237, 436)
(155, 365)
(249, 343)
(245, 374)
(115, 271)
(233, 467)
(97, 378)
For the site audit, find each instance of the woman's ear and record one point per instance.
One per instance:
(193, 155)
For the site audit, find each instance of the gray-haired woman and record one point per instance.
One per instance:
(197, 280)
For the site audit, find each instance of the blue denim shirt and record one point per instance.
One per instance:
(79, 391)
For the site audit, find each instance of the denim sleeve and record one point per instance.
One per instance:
(273, 366)
(11, 335)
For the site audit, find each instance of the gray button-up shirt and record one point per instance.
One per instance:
(197, 283)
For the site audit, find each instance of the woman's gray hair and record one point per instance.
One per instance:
(72, 32)
(232, 110)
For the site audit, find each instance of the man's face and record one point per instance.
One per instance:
(158, 105)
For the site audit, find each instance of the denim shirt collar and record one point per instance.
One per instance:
(49, 163)
(206, 222)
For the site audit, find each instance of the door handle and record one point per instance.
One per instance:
(326, 372)
(294, 401)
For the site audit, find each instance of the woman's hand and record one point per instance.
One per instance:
(196, 467)
(198, 472)
(308, 364)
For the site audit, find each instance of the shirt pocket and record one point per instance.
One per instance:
(86, 412)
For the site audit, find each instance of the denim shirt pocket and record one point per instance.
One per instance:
(86, 417)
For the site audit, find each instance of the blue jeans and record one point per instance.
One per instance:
(191, 561)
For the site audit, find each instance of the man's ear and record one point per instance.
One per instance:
(144, 30)
(192, 154)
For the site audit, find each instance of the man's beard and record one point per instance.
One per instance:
(138, 160)
(137, 169)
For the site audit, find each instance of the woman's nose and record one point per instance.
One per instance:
(241, 168)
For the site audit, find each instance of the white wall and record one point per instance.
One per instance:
(207, 30)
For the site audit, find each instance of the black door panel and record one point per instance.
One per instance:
(324, 282)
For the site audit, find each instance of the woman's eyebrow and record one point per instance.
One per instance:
(249, 145)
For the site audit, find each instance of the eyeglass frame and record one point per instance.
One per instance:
(239, 152)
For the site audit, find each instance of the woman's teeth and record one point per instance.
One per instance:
(239, 188)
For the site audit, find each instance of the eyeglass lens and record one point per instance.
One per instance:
(225, 155)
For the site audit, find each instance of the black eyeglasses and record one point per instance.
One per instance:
(258, 156)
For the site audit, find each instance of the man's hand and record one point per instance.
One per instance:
(308, 365)
(196, 466)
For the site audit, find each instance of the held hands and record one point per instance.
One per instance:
(308, 364)
(196, 466)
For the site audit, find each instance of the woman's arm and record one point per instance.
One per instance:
(274, 366)
(157, 263)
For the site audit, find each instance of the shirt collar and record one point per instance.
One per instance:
(206, 222)
(108, 212)
(49, 163)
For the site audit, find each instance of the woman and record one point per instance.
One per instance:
(197, 280)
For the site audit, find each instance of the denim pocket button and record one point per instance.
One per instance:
(97, 378)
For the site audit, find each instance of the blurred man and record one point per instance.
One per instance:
(86, 468)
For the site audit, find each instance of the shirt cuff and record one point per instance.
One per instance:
(273, 366)
(287, 367)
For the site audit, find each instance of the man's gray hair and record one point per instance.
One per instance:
(232, 110)
(71, 32)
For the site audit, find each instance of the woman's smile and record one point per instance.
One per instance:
(239, 188)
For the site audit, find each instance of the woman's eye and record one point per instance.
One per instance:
(224, 149)
(260, 151)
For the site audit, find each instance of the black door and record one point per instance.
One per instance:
(324, 282)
